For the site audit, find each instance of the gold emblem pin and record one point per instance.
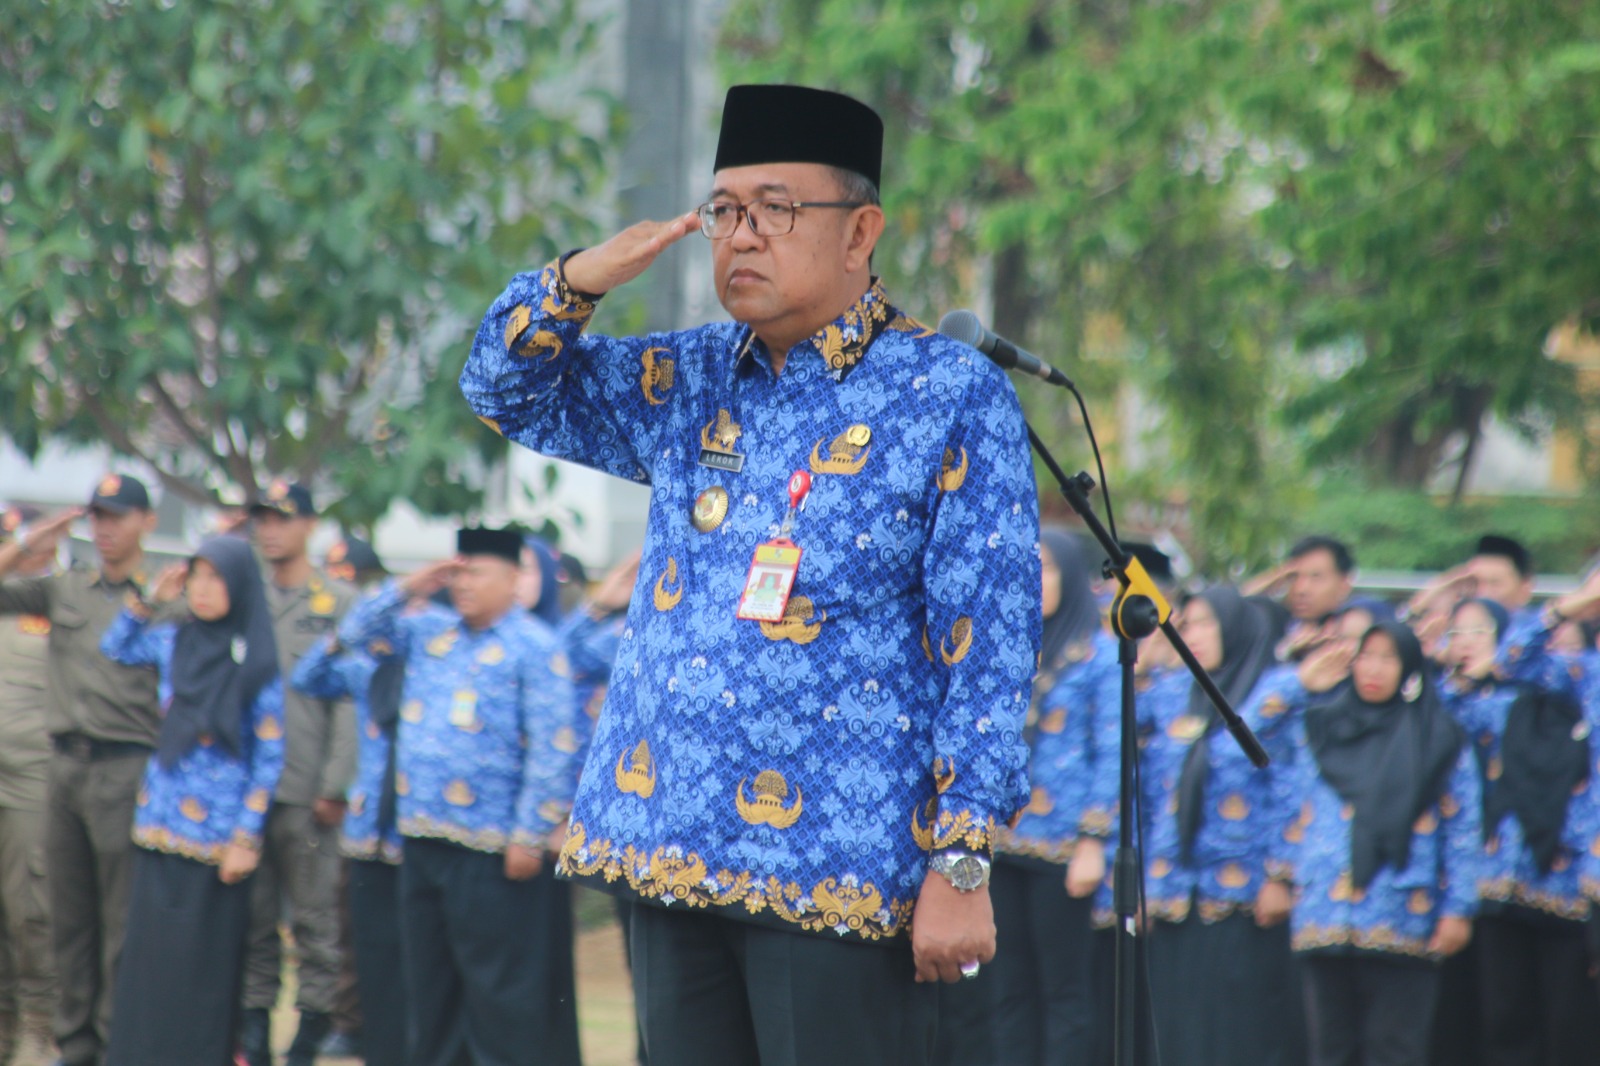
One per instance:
(323, 603)
(710, 508)
(859, 435)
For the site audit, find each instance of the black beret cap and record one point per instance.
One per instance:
(119, 494)
(1506, 547)
(288, 498)
(504, 543)
(352, 556)
(794, 124)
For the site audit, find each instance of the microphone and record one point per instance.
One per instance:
(964, 326)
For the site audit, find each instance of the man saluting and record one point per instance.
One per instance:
(815, 714)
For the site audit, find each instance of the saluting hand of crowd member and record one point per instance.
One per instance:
(169, 585)
(1324, 668)
(1445, 591)
(616, 588)
(42, 539)
(431, 579)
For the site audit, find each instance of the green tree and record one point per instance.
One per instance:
(237, 237)
(1332, 232)
(1065, 145)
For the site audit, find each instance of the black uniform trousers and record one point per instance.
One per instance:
(380, 974)
(177, 988)
(488, 960)
(1535, 993)
(714, 989)
(1368, 1009)
(1225, 993)
(1031, 1006)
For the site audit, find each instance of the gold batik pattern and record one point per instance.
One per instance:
(837, 904)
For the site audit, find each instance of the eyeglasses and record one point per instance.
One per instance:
(766, 218)
(1473, 631)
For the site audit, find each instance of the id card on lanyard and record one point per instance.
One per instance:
(772, 571)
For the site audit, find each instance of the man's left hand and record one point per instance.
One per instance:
(950, 929)
(329, 813)
(522, 864)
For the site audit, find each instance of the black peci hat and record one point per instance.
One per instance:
(1157, 563)
(503, 543)
(1507, 548)
(794, 124)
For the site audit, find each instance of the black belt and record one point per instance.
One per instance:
(87, 749)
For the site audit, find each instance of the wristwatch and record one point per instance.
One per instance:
(964, 871)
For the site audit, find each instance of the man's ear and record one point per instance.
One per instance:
(866, 226)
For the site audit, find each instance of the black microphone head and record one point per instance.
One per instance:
(962, 326)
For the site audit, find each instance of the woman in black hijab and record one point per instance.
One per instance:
(1032, 1005)
(1222, 976)
(201, 812)
(1388, 838)
(1541, 816)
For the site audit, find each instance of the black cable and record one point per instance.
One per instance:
(1099, 465)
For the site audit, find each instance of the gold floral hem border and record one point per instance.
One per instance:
(165, 840)
(1379, 938)
(1510, 890)
(841, 905)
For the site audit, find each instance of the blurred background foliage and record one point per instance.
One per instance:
(239, 237)
(1323, 239)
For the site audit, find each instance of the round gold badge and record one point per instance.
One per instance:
(858, 435)
(710, 508)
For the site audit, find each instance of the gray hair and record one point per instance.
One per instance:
(856, 186)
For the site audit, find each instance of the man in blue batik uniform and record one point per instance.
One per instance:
(830, 777)
(484, 778)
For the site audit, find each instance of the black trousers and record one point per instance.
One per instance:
(713, 989)
(379, 961)
(1032, 1005)
(1457, 1023)
(1226, 993)
(1366, 1010)
(1537, 998)
(177, 987)
(488, 960)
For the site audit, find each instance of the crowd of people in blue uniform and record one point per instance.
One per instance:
(1409, 881)
(858, 761)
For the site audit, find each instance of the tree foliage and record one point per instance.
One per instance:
(1333, 232)
(237, 235)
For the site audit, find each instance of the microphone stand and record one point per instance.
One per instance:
(1138, 611)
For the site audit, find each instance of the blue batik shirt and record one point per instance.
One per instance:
(1508, 871)
(591, 645)
(331, 671)
(209, 799)
(796, 773)
(1243, 839)
(1397, 912)
(1073, 795)
(488, 748)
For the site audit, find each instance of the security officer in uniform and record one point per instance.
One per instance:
(300, 861)
(102, 722)
(27, 962)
